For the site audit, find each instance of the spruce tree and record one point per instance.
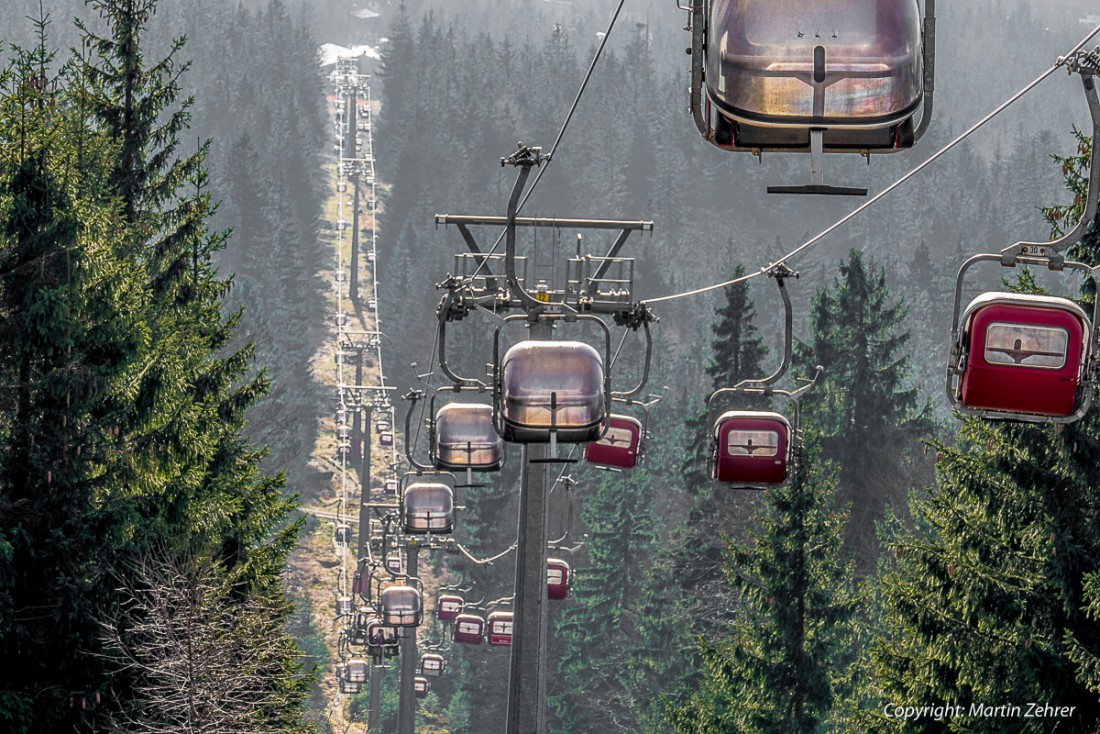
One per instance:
(124, 420)
(990, 600)
(782, 665)
(599, 624)
(71, 341)
(870, 415)
(737, 353)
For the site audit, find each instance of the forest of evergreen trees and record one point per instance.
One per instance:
(144, 527)
(161, 209)
(811, 608)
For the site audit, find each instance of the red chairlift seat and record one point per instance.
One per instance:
(619, 446)
(753, 448)
(401, 606)
(421, 686)
(432, 664)
(552, 387)
(469, 629)
(500, 628)
(448, 607)
(428, 508)
(1024, 354)
(466, 439)
(558, 579)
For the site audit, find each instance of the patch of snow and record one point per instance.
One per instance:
(330, 53)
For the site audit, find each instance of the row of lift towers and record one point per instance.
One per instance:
(1013, 357)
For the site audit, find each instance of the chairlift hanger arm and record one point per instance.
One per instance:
(524, 158)
(442, 348)
(809, 384)
(768, 391)
(645, 367)
(697, 26)
(928, 33)
(780, 272)
(557, 541)
(413, 396)
(486, 561)
(1053, 250)
(489, 606)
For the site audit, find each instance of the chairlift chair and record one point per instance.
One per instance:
(469, 629)
(559, 579)
(428, 507)
(816, 76)
(346, 686)
(341, 533)
(463, 437)
(500, 625)
(1025, 357)
(449, 606)
(380, 635)
(359, 630)
(401, 606)
(620, 445)
(752, 448)
(356, 670)
(432, 664)
(551, 390)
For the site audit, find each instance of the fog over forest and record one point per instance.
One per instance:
(219, 276)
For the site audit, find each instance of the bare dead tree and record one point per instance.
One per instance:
(201, 660)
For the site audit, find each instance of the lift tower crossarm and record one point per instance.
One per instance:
(521, 298)
(624, 224)
(483, 260)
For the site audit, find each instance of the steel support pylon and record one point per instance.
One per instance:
(527, 689)
(406, 709)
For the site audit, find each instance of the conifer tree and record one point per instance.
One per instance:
(986, 599)
(871, 417)
(601, 620)
(738, 354)
(782, 665)
(125, 412)
(990, 600)
(71, 340)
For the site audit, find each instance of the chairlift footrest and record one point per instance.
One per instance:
(818, 189)
(552, 461)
